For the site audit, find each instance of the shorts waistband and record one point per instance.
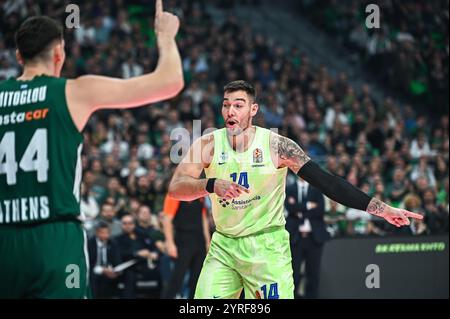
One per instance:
(71, 219)
(261, 232)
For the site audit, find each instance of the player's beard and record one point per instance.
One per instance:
(240, 128)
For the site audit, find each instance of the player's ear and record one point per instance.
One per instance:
(58, 52)
(58, 57)
(19, 58)
(254, 109)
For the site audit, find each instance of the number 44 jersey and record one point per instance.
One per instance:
(40, 152)
(263, 207)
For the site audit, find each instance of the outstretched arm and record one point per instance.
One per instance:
(89, 93)
(286, 153)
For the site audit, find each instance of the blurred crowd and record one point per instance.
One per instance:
(409, 52)
(390, 151)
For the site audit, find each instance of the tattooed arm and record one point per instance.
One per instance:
(395, 216)
(286, 153)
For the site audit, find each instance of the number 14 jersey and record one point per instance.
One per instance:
(263, 207)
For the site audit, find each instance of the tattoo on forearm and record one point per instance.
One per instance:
(376, 207)
(289, 151)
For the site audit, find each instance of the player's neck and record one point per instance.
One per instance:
(241, 142)
(33, 70)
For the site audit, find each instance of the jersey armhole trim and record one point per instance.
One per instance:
(278, 169)
(67, 112)
(214, 158)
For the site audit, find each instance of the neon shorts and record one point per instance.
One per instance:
(260, 264)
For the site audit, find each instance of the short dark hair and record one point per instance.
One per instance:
(106, 203)
(101, 225)
(240, 85)
(128, 215)
(35, 35)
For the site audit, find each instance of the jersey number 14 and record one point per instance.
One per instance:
(243, 179)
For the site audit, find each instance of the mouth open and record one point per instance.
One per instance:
(232, 124)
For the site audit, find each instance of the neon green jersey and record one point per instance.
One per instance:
(263, 207)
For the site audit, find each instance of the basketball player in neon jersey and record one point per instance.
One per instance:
(246, 168)
(41, 117)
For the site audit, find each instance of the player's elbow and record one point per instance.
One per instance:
(173, 83)
(172, 191)
(178, 192)
(177, 85)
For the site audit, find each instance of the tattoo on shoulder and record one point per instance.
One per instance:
(289, 151)
(376, 207)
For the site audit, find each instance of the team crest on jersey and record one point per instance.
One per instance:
(257, 156)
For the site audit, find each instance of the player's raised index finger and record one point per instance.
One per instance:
(413, 215)
(159, 7)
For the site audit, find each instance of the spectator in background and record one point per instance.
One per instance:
(409, 52)
(138, 246)
(421, 184)
(335, 218)
(306, 226)
(103, 256)
(273, 116)
(100, 180)
(417, 227)
(7, 70)
(108, 216)
(435, 217)
(441, 168)
(145, 150)
(150, 225)
(424, 170)
(111, 166)
(359, 224)
(114, 193)
(142, 189)
(420, 147)
(88, 207)
(146, 224)
(130, 68)
(399, 187)
(132, 171)
(132, 206)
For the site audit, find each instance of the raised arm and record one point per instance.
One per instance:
(186, 184)
(286, 153)
(91, 92)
